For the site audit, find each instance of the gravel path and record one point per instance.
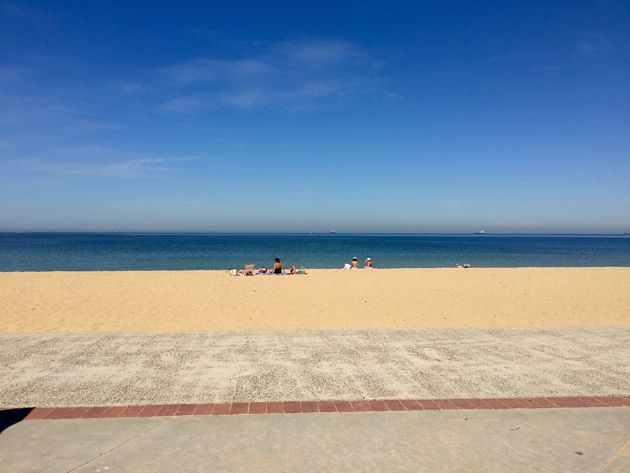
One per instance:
(129, 368)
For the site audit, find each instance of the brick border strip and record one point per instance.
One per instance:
(304, 407)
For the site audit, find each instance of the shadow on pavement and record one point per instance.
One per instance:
(8, 417)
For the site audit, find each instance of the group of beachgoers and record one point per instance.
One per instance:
(354, 264)
(278, 270)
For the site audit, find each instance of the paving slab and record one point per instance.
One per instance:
(96, 369)
(60, 446)
(520, 440)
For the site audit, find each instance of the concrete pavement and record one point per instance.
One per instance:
(550, 440)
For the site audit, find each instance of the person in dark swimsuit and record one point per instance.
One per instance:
(277, 267)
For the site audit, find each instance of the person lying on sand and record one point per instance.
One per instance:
(277, 269)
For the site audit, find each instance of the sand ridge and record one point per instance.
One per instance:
(157, 301)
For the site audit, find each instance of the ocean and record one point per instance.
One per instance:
(141, 251)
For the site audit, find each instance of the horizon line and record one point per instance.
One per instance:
(331, 233)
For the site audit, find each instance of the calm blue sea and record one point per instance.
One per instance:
(118, 251)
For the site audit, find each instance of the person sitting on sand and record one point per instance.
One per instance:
(355, 263)
(368, 263)
(277, 267)
(294, 270)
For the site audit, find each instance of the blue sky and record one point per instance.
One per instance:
(352, 116)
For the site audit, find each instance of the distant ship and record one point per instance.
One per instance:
(332, 232)
(480, 232)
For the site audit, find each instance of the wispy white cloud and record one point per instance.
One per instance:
(290, 74)
(593, 44)
(213, 70)
(585, 47)
(126, 168)
(301, 95)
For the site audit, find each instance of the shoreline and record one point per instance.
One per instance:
(189, 301)
(376, 268)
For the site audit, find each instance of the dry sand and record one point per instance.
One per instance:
(383, 298)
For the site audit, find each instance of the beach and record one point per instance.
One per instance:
(174, 301)
(123, 362)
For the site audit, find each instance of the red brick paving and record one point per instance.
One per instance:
(309, 406)
(428, 404)
(293, 407)
(115, 411)
(343, 406)
(465, 403)
(481, 404)
(81, 413)
(168, 410)
(239, 408)
(496, 403)
(257, 407)
(275, 408)
(150, 411)
(361, 406)
(594, 401)
(518, 403)
(132, 411)
(297, 407)
(614, 401)
(539, 403)
(39, 413)
(222, 409)
(394, 405)
(186, 409)
(445, 404)
(378, 405)
(60, 413)
(204, 409)
(326, 406)
(411, 404)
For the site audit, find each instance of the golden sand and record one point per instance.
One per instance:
(380, 298)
